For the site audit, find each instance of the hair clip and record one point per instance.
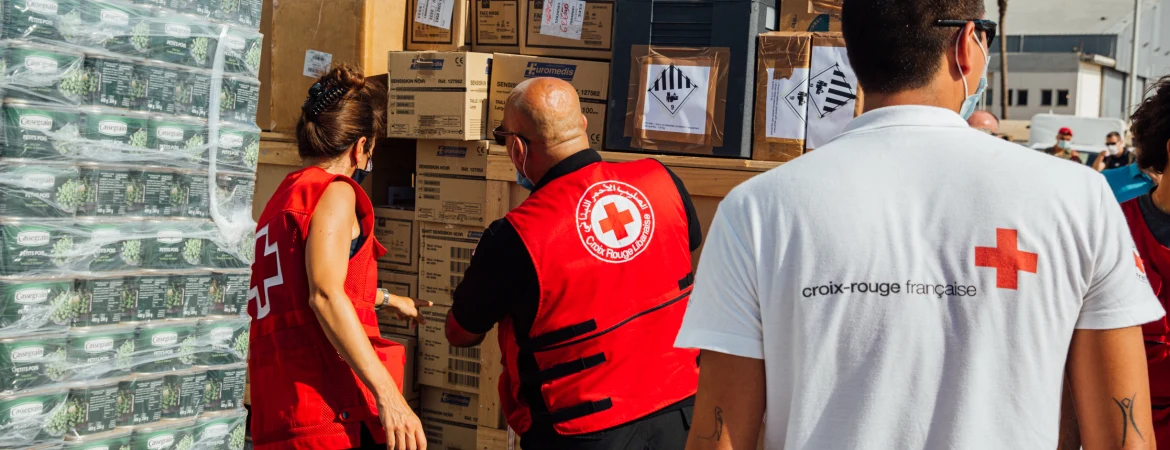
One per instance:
(321, 97)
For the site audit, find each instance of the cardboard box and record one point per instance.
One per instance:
(446, 253)
(395, 229)
(455, 201)
(438, 95)
(423, 37)
(304, 36)
(497, 25)
(590, 78)
(446, 158)
(810, 15)
(781, 111)
(445, 435)
(411, 390)
(596, 33)
(835, 97)
(440, 364)
(403, 284)
(454, 406)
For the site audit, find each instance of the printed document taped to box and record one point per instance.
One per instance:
(787, 105)
(677, 100)
(436, 13)
(317, 63)
(832, 95)
(563, 18)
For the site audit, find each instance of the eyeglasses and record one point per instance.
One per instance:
(987, 26)
(501, 136)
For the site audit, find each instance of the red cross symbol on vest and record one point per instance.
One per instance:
(616, 221)
(1006, 258)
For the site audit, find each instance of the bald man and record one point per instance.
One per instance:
(984, 121)
(589, 279)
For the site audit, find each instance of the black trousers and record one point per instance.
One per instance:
(666, 430)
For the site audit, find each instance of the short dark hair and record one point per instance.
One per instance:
(1150, 128)
(894, 46)
(1113, 134)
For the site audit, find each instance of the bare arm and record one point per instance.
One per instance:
(1107, 371)
(729, 408)
(326, 262)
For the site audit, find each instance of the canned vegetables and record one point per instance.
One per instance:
(140, 399)
(100, 352)
(241, 49)
(154, 192)
(144, 297)
(225, 340)
(222, 431)
(46, 74)
(92, 407)
(26, 305)
(182, 394)
(166, 346)
(111, 440)
(193, 93)
(32, 417)
(225, 387)
(180, 139)
(100, 301)
(43, 20)
(195, 184)
(225, 254)
(233, 192)
(174, 435)
(174, 244)
(229, 292)
(104, 190)
(116, 129)
(40, 132)
(113, 78)
(114, 26)
(32, 361)
(34, 248)
(243, 95)
(161, 85)
(183, 39)
(196, 287)
(239, 148)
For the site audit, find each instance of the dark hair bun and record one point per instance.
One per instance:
(1150, 128)
(341, 107)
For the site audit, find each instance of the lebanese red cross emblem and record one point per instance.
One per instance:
(615, 221)
(1137, 259)
(1006, 258)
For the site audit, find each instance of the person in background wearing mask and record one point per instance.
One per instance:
(1149, 223)
(588, 279)
(1115, 154)
(984, 121)
(1063, 148)
(322, 376)
(940, 317)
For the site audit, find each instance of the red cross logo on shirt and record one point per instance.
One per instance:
(1137, 259)
(1007, 259)
(616, 221)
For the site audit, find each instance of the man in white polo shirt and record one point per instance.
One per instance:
(915, 283)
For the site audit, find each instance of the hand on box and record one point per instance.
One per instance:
(402, 307)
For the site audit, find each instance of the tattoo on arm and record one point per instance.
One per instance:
(1127, 420)
(718, 433)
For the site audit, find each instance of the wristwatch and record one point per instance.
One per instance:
(383, 299)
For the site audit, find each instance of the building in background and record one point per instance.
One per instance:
(1073, 56)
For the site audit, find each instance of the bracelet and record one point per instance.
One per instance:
(383, 299)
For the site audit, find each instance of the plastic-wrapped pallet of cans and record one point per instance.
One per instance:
(128, 150)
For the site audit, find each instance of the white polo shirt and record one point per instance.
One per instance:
(914, 284)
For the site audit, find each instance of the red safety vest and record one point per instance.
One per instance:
(610, 246)
(304, 395)
(1156, 259)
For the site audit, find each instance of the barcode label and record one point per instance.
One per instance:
(461, 253)
(436, 13)
(466, 352)
(463, 380)
(317, 63)
(459, 266)
(463, 366)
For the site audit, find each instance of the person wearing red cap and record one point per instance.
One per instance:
(1063, 148)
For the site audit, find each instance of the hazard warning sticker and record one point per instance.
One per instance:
(832, 92)
(677, 99)
(615, 221)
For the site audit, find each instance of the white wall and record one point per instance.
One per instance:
(1088, 99)
(1035, 82)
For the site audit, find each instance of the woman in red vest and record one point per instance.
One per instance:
(1149, 223)
(322, 376)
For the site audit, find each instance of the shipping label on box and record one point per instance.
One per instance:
(596, 32)
(425, 20)
(440, 364)
(590, 78)
(833, 92)
(446, 158)
(454, 406)
(445, 435)
(403, 284)
(446, 254)
(498, 25)
(455, 201)
(395, 229)
(438, 95)
(411, 390)
(781, 113)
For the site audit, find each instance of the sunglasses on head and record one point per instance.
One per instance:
(988, 27)
(501, 136)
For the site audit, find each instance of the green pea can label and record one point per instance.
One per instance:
(180, 139)
(113, 82)
(249, 13)
(239, 148)
(225, 387)
(233, 191)
(111, 440)
(227, 338)
(26, 305)
(182, 396)
(40, 190)
(32, 361)
(241, 49)
(30, 249)
(47, 75)
(193, 93)
(222, 431)
(154, 193)
(101, 352)
(192, 293)
(166, 346)
(116, 27)
(31, 417)
(140, 399)
(92, 408)
(245, 99)
(116, 130)
(222, 254)
(104, 191)
(101, 301)
(175, 435)
(183, 39)
(39, 19)
(229, 292)
(144, 297)
(195, 186)
(40, 132)
(161, 84)
(174, 245)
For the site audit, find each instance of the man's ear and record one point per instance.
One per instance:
(584, 122)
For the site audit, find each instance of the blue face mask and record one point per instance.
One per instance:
(360, 175)
(973, 100)
(523, 180)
